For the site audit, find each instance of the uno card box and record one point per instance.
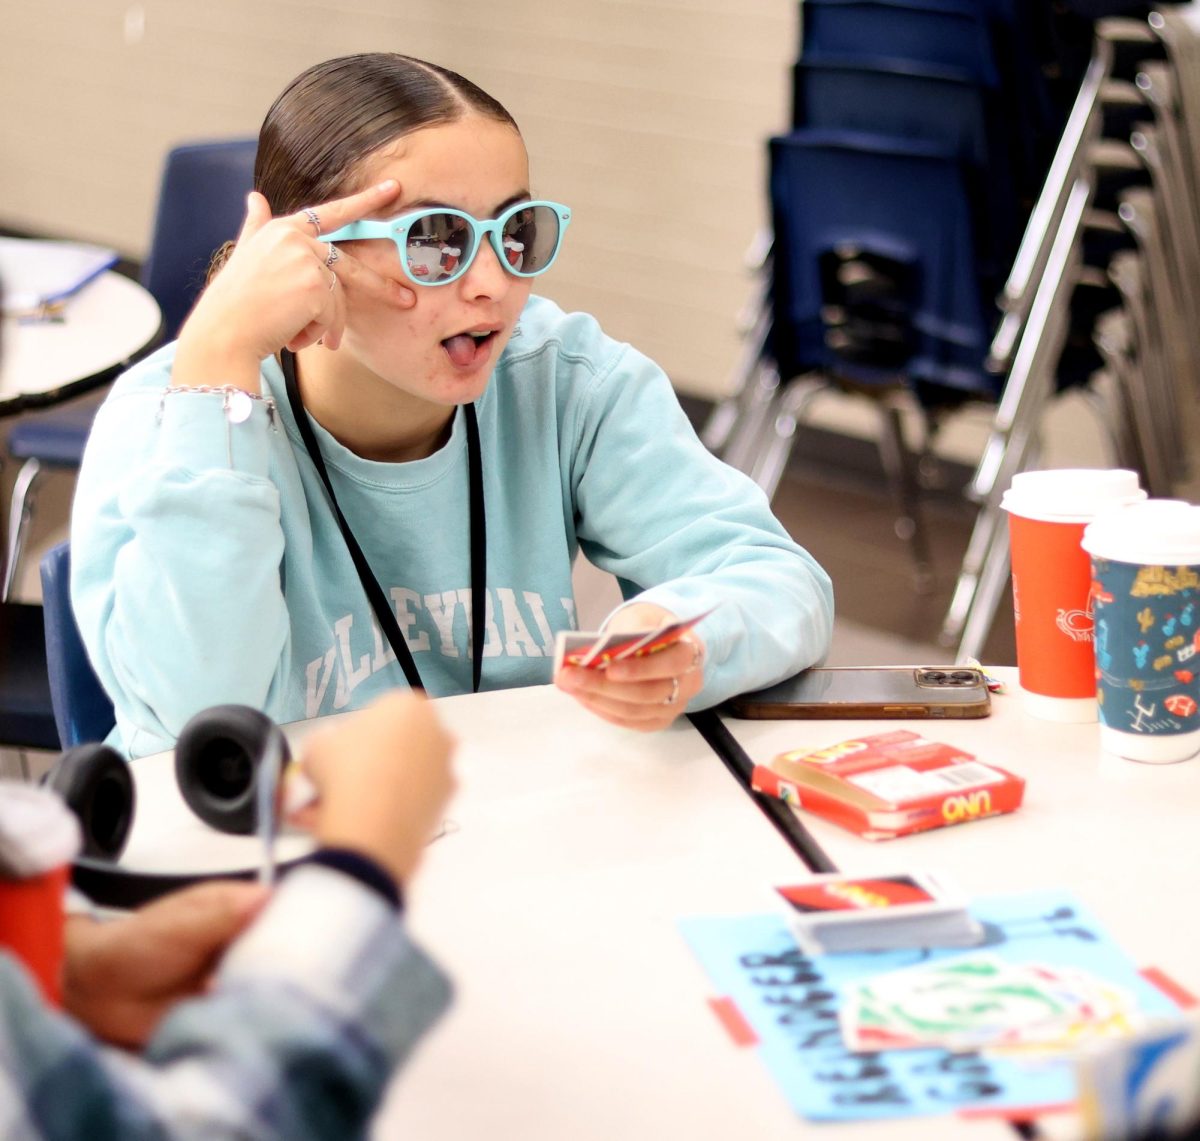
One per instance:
(890, 784)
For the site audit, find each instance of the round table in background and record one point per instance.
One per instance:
(106, 326)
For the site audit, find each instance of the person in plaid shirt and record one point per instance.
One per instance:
(301, 1026)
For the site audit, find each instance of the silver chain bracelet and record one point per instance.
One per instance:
(237, 403)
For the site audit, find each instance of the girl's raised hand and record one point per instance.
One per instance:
(279, 289)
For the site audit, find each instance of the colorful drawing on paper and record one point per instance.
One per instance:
(794, 1003)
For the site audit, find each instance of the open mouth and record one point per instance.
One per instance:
(467, 348)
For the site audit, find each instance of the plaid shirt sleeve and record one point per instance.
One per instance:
(314, 1009)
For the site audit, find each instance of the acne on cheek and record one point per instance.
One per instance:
(418, 325)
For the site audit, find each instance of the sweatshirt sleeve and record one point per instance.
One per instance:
(298, 1039)
(681, 529)
(176, 548)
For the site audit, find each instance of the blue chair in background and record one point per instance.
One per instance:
(82, 711)
(201, 202)
(26, 712)
(834, 199)
(937, 103)
(873, 289)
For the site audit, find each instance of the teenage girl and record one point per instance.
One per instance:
(371, 456)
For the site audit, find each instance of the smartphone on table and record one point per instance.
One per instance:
(868, 693)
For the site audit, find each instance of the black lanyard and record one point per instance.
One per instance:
(384, 613)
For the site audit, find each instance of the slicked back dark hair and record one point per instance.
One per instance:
(336, 113)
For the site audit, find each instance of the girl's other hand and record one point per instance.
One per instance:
(645, 693)
(278, 290)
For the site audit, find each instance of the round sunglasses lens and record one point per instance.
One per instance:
(437, 247)
(531, 239)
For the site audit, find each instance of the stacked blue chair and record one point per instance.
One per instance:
(926, 231)
(200, 207)
(901, 196)
(201, 202)
(896, 203)
(961, 73)
(904, 101)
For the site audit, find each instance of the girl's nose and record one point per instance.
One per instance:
(486, 275)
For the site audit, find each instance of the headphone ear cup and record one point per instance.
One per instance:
(95, 782)
(216, 764)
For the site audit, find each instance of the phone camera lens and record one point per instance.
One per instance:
(963, 676)
(934, 675)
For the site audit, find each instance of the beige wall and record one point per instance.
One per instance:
(647, 116)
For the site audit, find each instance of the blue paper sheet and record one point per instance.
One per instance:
(791, 1002)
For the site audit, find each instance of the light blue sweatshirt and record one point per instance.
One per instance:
(207, 566)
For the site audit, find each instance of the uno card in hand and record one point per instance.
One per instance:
(590, 649)
(666, 635)
(596, 649)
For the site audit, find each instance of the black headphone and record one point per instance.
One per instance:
(217, 760)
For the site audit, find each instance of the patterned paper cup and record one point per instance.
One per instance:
(1145, 563)
(1047, 512)
(39, 837)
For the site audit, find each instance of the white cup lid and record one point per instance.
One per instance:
(1155, 531)
(37, 830)
(1070, 495)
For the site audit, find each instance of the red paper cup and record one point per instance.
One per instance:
(1047, 513)
(38, 840)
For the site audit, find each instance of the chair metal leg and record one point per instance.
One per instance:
(19, 516)
(1164, 355)
(986, 602)
(899, 465)
(975, 559)
(1034, 251)
(726, 419)
(774, 448)
(1028, 389)
(1127, 274)
(754, 419)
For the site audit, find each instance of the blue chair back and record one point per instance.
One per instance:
(838, 190)
(883, 96)
(82, 710)
(998, 44)
(201, 203)
(953, 33)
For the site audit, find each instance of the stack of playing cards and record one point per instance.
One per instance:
(890, 784)
(836, 912)
(979, 1001)
(595, 649)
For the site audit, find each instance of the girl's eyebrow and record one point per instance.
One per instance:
(430, 203)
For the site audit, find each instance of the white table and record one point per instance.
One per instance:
(106, 326)
(1120, 835)
(580, 1014)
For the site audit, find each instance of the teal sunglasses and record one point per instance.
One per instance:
(437, 246)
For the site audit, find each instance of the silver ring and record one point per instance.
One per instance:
(673, 696)
(333, 255)
(311, 215)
